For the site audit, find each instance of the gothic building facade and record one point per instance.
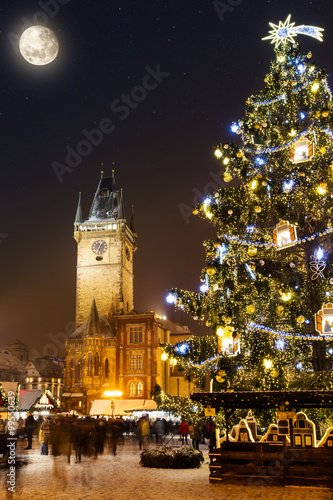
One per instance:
(113, 346)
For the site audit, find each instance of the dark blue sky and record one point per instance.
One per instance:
(162, 150)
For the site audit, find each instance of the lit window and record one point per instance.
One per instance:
(140, 389)
(136, 335)
(132, 362)
(132, 389)
(139, 363)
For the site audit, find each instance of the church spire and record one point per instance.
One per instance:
(78, 216)
(105, 204)
(132, 223)
(121, 210)
(93, 328)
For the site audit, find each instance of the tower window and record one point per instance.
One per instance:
(136, 336)
(90, 365)
(99, 258)
(104, 192)
(96, 364)
(78, 371)
(106, 368)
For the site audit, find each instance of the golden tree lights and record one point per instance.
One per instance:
(270, 222)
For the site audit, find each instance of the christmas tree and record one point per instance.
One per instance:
(266, 289)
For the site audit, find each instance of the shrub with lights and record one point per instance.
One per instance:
(266, 289)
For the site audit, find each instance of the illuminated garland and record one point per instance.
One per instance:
(266, 329)
(272, 245)
(280, 97)
(279, 148)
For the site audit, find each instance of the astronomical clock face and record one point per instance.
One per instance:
(99, 247)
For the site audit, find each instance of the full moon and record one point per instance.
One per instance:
(39, 45)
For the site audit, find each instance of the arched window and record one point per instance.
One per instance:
(104, 192)
(96, 371)
(106, 368)
(89, 365)
(71, 372)
(139, 391)
(132, 389)
(78, 371)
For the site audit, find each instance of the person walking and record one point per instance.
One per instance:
(184, 430)
(197, 436)
(29, 428)
(46, 427)
(145, 433)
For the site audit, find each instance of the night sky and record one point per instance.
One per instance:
(161, 148)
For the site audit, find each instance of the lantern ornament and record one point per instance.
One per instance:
(324, 320)
(302, 150)
(228, 341)
(284, 235)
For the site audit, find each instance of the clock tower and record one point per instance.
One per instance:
(105, 248)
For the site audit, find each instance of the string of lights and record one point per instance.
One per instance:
(281, 333)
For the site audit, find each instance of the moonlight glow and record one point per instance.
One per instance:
(39, 45)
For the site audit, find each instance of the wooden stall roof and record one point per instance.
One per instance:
(265, 399)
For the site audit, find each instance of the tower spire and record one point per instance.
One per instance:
(121, 210)
(93, 327)
(78, 216)
(132, 223)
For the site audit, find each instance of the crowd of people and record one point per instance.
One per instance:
(59, 435)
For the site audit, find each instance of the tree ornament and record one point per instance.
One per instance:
(227, 177)
(210, 270)
(226, 146)
(264, 183)
(284, 235)
(292, 264)
(208, 323)
(322, 151)
(275, 373)
(252, 251)
(257, 209)
(325, 113)
(218, 153)
(331, 281)
(257, 126)
(324, 320)
(239, 154)
(317, 265)
(300, 319)
(195, 211)
(228, 319)
(262, 262)
(264, 124)
(250, 309)
(220, 377)
(230, 212)
(279, 310)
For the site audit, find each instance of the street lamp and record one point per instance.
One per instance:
(112, 395)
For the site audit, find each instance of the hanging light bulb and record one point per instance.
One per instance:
(218, 153)
(315, 87)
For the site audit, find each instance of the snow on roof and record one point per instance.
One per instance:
(9, 360)
(28, 397)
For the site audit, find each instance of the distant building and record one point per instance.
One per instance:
(11, 368)
(44, 373)
(113, 346)
(20, 350)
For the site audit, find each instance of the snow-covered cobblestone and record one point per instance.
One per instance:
(121, 477)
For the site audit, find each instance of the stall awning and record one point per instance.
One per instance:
(72, 395)
(121, 406)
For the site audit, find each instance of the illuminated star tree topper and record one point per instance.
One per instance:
(286, 32)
